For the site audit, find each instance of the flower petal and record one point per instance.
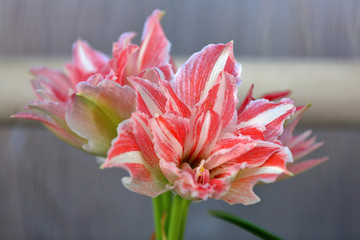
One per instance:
(169, 133)
(90, 121)
(291, 123)
(118, 102)
(155, 74)
(228, 149)
(198, 75)
(222, 98)
(125, 153)
(241, 190)
(174, 104)
(122, 52)
(54, 82)
(150, 99)
(299, 167)
(154, 48)
(276, 95)
(144, 138)
(203, 135)
(85, 62)
(52, 115)
(247, 100)
(267, 116)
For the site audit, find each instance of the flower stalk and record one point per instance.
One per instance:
(170, 214)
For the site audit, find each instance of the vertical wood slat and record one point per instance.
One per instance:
(259, 28)
(52, 191)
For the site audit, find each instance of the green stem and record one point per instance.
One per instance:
(157, 208)
(184, 212)
(170, 213)
(178, 214)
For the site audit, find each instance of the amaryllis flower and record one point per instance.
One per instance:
(85, 105)
(186, 135)
(300, 145)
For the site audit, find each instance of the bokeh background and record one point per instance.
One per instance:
(48, 190)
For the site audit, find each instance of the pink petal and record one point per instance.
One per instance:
(267, 116)
(169, 133)
(222, 98)
(187, 186)
(241, 190)
(299, 167)
(198, 75)
(254, 157)
(125, 153)
(89, 121)
(154, 48)
(254, 132)
(51, 114)
(203, 135)
(150, 99)
(291, 123)
(155, 74)
(228, 149)
(117, 102)
(122, 52)
(144, 139)
(276, 95)
(247, 100)
(85, 62)
(55, 82)
(173, 103)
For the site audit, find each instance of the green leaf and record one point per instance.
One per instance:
(261, 233)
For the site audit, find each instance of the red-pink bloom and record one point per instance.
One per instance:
(84, 106)
(186, 134)
(300, 145)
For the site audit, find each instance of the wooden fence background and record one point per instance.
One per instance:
(49, 190)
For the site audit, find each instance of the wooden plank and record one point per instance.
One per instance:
(332, 86)
(302, 28)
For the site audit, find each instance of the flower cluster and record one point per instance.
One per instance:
(179, 132)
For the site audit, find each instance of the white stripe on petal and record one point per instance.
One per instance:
(268, 116)
(218, 67)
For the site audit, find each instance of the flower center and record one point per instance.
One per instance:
(202, 175)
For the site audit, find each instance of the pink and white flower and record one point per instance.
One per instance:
(85, 106)
(300, 145)
(186, 135)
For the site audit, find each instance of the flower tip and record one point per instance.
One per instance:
(159, 13)
(102, 166)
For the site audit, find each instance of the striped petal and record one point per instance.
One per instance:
(290, 124)
(150, 99)
(154, 48)
(299, 167)
(85, 62)
(222, 98)
(203, 135)
(169, 133)
(198, 75)
(155, 74)
(241, 190)
(52, 115)
(125, 153)
(267, 116)
(123, 49)
(53, 82)
(144, 139)
(174, 104)
(228, 149)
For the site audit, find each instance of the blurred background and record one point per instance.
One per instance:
(50, 190)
